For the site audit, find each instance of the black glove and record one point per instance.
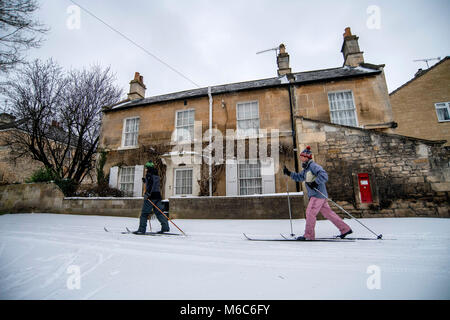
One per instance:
(312, 185)
(286, 171)
(143, 180)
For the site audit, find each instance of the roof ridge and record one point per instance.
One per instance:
(416, 76)
(247, 81)
(299, 77)
(394, 135)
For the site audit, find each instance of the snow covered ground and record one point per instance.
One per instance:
(50, 256)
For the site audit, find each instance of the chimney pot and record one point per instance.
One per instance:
(348, 32)
(419, 72)
(283, 61)
(137, 87)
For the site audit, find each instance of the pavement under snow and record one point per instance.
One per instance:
(51, 256)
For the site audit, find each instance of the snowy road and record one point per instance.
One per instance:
(49, 256)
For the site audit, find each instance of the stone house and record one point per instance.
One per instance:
(18, 170)
(247, 117)
(13, 171)
(425, 97)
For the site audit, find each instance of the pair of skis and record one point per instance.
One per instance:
(293, 238)
(128, 231)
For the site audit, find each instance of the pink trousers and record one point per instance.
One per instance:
(315, 206)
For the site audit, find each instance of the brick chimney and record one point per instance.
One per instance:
(137, 87)
(350, 49)
(283, 61)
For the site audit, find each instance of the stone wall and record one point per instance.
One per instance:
(30, 197)
(408, 177)
(46, 197)
(119, 207)
(246, 207)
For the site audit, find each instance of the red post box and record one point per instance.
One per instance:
(364, 188)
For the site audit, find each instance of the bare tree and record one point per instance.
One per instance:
(60, 115)
(19, 31)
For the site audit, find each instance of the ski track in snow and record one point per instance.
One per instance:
(215, 261)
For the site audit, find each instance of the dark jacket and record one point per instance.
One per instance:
(152, 184)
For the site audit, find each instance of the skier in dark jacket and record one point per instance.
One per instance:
(152, 193)
(316, 177)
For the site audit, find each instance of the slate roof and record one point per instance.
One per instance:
(298, 78)
(54, 133)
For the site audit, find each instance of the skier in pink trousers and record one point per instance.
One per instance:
(316, 177)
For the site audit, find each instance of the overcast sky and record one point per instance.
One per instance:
(215, 42)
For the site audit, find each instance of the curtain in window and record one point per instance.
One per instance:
(250, 180)
(443, 111)
(185, 125)
(342, 110)
(248, 118)
(131, 132)
(183, 181)
(126, 180)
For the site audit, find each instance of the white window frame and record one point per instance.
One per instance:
(124, 133)
(354, 108)
(177, 127)
(240, 179)
(445, 105)
(175, 186)
(240, 132)
(129, 182)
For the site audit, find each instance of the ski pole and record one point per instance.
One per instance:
(289, 205)
(166, 217)
(149, 222)
(379, 236)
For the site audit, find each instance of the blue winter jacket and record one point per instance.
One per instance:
(321, 179)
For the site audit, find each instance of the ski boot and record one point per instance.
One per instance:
(342, 236)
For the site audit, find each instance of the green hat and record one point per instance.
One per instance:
(149, 165)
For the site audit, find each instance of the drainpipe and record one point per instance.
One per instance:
(294, 134)
(210, 140)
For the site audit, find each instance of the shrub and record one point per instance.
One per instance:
(98, 191)
(67, 186)
(42, 175)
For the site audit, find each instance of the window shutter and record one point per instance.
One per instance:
(124, 124)
(268, 176)
(231, 177)
(113, 176)
(138, 175)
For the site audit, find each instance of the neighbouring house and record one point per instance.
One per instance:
(421, 106)
(15, 169)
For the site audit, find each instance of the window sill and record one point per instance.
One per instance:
(250, 136)
(128, 148)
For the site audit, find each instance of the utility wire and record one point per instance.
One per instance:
(136, 44)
